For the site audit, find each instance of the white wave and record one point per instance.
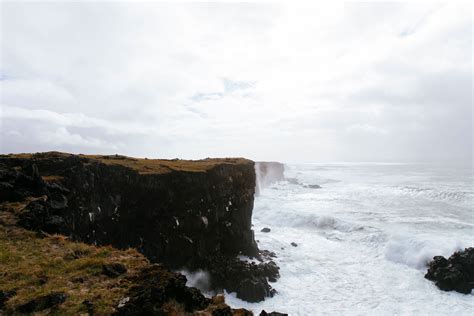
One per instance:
(417, 253)
(363, 241)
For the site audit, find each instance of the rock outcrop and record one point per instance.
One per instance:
(455, 273)
(192, 214)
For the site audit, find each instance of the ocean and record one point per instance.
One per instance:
(364, 238)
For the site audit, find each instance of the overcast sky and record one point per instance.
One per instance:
(354, 82)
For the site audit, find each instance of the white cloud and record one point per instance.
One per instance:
(266, 81)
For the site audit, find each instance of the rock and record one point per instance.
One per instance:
(4, 296)
(313, 186)
(264, 313)
(294, 244)
(154, 287)
(253, 290)
(89, 307)
(114, 270)
(293, 180)
(248, 280)
(455, 273)
(42, 303)
(265, 230)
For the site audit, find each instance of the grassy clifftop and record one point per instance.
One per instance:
(145, 165)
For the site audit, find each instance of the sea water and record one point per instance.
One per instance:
(364, 238)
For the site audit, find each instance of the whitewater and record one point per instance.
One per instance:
(364, 238)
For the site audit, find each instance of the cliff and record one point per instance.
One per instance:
(184, 214)
(50, 274)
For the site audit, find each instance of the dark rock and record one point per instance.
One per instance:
(293, 180)
(264, 313)
(114, 270)
(155, 286)
(248, 280)
(455, 273)
(4, 296)
(42, 303)
(89, 307)
(313, 186)
(294, 244)
(253, 290)
(265, 230)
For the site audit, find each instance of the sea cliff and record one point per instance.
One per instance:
(193, 215)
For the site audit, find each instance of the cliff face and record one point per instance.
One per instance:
(181, 213)
(52, 275)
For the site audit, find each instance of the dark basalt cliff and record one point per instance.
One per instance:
(184, 214)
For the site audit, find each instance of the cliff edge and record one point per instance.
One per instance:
(184, 214)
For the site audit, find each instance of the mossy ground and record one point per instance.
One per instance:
(33, 265)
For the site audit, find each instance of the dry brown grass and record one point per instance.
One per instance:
(144, 165)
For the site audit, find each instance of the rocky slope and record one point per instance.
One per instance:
(184, 214)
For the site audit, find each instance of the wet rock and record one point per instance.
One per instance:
(42, 303)
(455, 273)
(265, 230)
(249, 280)
(254, 290)
(4, 296)
(264, 313)
(294, 244)
(313, 186)
(155, 286)
(293, 180)
(114, 270)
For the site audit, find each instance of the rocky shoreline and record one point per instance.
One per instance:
(455, 273)
(178, 214)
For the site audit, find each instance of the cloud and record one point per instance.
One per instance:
(265, 81)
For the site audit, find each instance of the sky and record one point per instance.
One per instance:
(387, 82)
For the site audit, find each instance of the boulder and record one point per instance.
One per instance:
(264, 313)
(455, 273)
(114, 270)
(42, 302)
(265, 230)
(5, 296)
(254, 290)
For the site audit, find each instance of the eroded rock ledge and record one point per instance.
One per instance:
(185, 214)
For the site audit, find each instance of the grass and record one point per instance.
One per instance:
(34, 266)
(145, 165)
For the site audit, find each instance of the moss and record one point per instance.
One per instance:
(33, 266)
